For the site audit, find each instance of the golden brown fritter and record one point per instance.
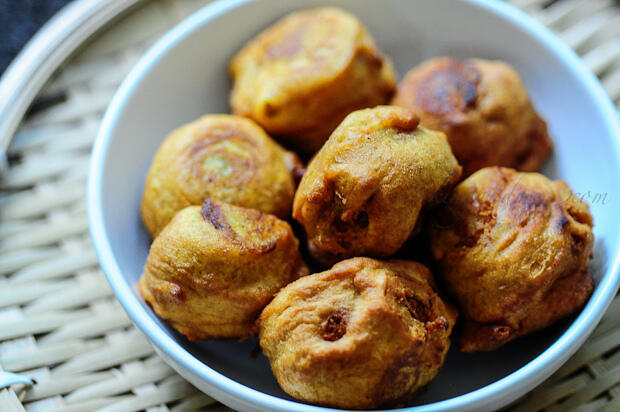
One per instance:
(227, 157)
(212, 269)
(482, 107)
(363, 334)
(300, 77)
(362, 193)
(513, 249)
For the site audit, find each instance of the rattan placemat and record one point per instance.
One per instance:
(59, 320)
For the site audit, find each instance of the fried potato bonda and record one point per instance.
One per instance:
(227, 157)
(483, 108)
(212, 269)
(300, 77)
(513, 249)
(363, 191)
(363, 334)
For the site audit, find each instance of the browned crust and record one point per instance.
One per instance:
(451, 88)
(335, 326)
(212, 212)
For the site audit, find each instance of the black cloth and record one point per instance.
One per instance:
(19, 21)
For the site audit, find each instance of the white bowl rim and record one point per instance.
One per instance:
(502, 391)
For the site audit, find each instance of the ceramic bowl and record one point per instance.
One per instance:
(185, 75)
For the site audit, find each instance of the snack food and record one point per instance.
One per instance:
(363, 191)
(482, 107)
(227, 157)
(301, 76)
(513, 250)
(213, 268)
(364, 334)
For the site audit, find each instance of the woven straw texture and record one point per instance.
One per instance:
(59, 320)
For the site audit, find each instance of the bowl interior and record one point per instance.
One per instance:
(188, 77)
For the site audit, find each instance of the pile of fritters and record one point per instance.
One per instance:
(509, 247)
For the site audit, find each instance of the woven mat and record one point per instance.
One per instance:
(59, 320)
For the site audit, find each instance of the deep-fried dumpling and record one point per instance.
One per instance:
(364, 190)
(223, 156)
(364, 334)
(300, 77)
(513, 250)
(211, 270)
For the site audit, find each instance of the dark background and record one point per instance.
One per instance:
(19, 21)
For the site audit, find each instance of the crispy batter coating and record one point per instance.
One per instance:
(300, 77)
(227, 157)
(513, 249)
(363, 334)
(212, 269)
(482, 107)
(362, 193)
